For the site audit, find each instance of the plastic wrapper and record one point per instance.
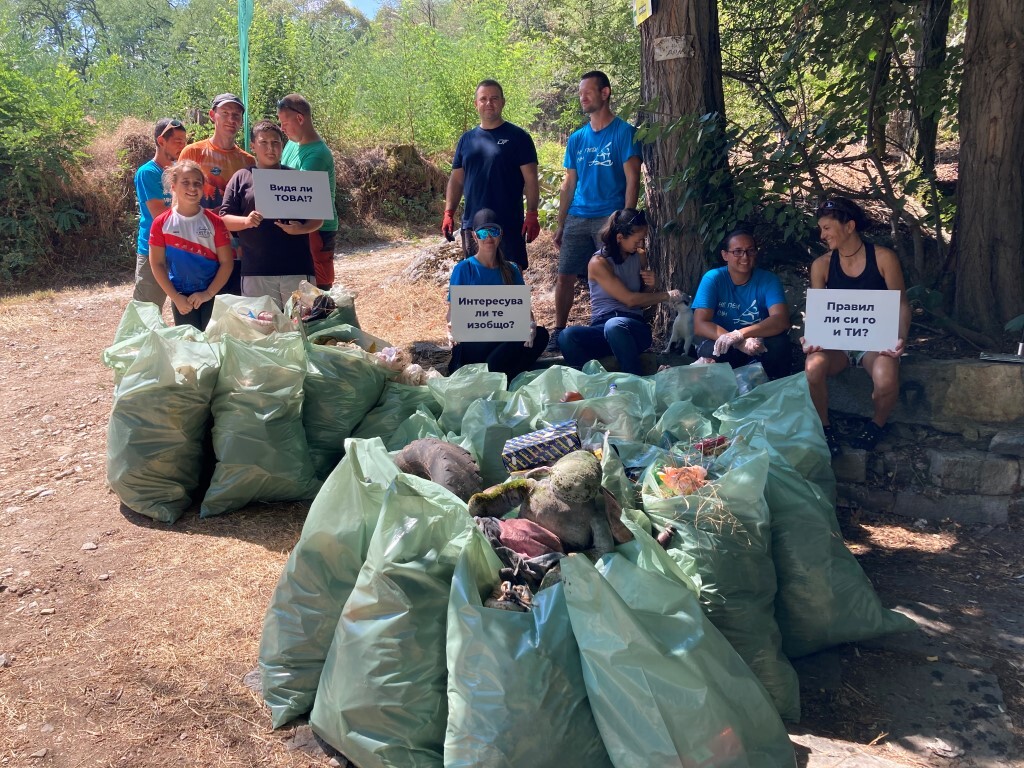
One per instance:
(245, 318)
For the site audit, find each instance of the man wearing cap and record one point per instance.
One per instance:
(495, 164)
(149, 191)
(306, 151)
(220, 158)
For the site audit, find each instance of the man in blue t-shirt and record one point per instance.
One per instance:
(495, 164)
(170, 139)
(602, 176)
(740, 313)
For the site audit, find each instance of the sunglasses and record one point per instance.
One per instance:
(282, 104)
(172, 126)
(486, 232)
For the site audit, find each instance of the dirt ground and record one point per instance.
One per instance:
(123, 642)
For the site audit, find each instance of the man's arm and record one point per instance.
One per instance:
(565, 195)
(531, 186)
(453, 192)
(632, 170)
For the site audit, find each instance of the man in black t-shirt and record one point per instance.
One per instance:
(495, 164)
(275, 254)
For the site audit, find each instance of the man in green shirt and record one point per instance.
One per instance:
(306, 151)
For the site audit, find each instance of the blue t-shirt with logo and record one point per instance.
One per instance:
(491, 160)
(737, 306)
(598, 158)
(149, 185)
(472, 272)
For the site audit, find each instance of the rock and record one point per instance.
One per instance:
(5, 660)
(959, 507)
(103, 576)
(1008, 442)
(39, 753)
(851, 465)
(47, 611)
(46, 728)
(48, 419)
(44, 494)
(956, 470)
(89, 545)
(253, 681)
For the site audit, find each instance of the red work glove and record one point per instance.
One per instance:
(531, 227)
(448, 224)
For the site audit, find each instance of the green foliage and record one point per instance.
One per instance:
(42, 132)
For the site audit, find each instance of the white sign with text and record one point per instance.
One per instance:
(865, 321)
(490, 312)
(281, 194)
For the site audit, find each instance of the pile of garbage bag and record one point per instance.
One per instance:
(262, 399)
(413, 633)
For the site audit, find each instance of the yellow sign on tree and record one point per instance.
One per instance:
(641, 11)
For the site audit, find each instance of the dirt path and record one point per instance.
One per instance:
(123, 642)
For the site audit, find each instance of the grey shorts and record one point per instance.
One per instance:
(580, 240)
(146, 286)
(277, 287)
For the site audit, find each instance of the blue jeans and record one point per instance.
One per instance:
(623, 335)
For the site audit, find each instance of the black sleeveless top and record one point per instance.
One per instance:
(868, 280)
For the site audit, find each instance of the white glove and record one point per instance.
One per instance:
(674, 296)
(727, 340)
(533, 334)
(451, 340)
(752, 347)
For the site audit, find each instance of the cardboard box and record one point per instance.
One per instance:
(541, 448)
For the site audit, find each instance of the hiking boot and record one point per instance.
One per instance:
(552, 347)
(868, 437)
(832, 439)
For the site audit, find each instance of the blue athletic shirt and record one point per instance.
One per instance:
(491, 160)
(190, 247)
(598, 159)
(149, 185)
(472, 272)
(737, 306)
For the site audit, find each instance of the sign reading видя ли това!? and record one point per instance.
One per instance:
(865, 321)
(490, 312)
(281, 194)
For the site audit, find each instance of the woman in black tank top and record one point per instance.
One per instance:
(868, 280)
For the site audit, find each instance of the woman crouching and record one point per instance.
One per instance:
(621, 287)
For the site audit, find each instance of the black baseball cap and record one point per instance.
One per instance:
(484, 218)
(227, 98)
(165, 125)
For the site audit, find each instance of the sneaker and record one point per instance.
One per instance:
(832, 439)
(552, 346)
(868, 437)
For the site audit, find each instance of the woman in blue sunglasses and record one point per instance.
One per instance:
(490, 267)
(621, 287)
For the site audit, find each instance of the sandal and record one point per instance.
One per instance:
(868, 437)
(832, 439)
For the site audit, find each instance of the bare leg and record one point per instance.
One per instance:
(819, 367)
(885, 375)
(563, 299)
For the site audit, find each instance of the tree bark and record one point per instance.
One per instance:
(988, 239)
(690, 85)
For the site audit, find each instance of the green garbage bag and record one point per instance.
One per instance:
(350, 333)
(397, 403)
(460, 390)
(122, 354)
(382, 699)
(620, 415)
(344, 314)
(139, 317)
(423, 423)
(824, 596)
(258, 438)
(341, 386)
(548, 385)
(318, 578)
(791, 426)
(681, 422)
(708, 386)
(487, 424)
(516, 695)
(157, 425)
(724, 528)
(248, 318)
(614, 479)
(664, 685)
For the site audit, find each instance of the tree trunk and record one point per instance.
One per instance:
(988, 240)
(690, 85)
(917, 129)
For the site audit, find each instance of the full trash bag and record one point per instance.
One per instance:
(348, 333)
(382, 699)
(343, 314)
(318, 578)
(463, 388)
(261, 447)
(724, 528)
(248, 318)
(341, 386)
(516, 695)
(158, 423)
(824, 596)
(486, 425)
(421, 424)
(397, 402)
(682, 422)
(663, 683)
(620, 415)
(708, 386)
(138, 317)
(123, 353)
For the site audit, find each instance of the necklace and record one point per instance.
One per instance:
(852, 254)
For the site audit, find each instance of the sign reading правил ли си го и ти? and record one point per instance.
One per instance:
(866, 321)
